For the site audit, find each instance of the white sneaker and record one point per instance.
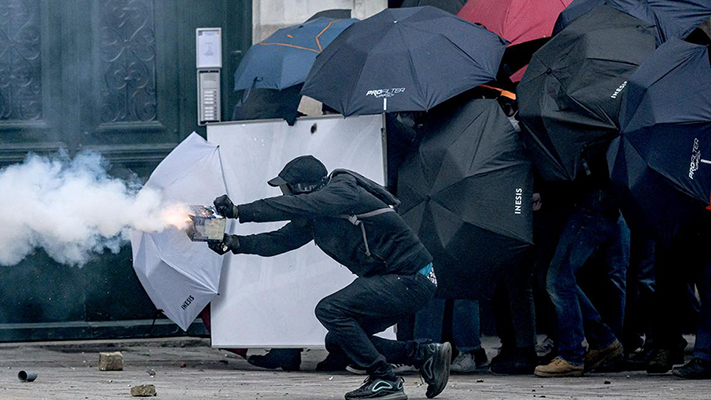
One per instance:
(400, 369)
(464, 362)
(356, 370)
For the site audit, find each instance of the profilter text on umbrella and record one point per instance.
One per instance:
(72, 208)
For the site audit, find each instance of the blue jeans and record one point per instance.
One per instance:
(585, 232)
(465, 323)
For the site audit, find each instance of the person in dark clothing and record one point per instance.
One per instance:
(351, 219)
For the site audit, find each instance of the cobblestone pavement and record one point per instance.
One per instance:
(187, 368)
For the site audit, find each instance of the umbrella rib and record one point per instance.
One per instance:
(318, 42)
(288, 45)
(412, 62)
(450, 41)
(196, 162)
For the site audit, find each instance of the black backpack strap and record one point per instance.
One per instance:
(356, 220)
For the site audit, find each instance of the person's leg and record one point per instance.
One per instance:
(617, 258)
(428, 321)
(666, 325)
(466, 326)
(639, 295)
(369, 305)
(466, 334)
(699, 367)
(574, 248)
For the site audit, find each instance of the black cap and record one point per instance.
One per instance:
(303, 169)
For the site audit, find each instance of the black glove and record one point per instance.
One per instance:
(225, 207)
(229, 242)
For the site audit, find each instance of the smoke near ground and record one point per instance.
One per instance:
(72, 208)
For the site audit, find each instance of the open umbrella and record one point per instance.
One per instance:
(268, 104)
(661, 164)
(181, 277)
(450, 6)
(671, 18)
(403, 59)
(336, 13)
(570, 96)
(466, 192)
(285, 58)
(517, 21)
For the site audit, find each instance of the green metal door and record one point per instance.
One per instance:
(114, 76)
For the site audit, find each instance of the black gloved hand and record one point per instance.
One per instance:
(229, 242)
(225, 207)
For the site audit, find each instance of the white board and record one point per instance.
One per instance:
(270, 301)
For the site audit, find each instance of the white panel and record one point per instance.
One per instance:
(269, 301)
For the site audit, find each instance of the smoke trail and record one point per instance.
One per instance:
(72, 208)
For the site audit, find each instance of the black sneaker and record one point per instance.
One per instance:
(435, 369)
(286, 359)
(379, 388)
(697, 368)
(663, 359)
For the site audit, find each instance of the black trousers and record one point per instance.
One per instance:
(354, 314)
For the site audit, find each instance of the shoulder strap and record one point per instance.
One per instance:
(356, 220)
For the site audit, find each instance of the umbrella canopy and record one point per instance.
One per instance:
(466, 192)
(268, 103)
(661, 164)
(285, 58)
(672, 18)
(181, 277)
(336, 13)
(570, 96)
(450, 6)
(403, 59)
(517, 21)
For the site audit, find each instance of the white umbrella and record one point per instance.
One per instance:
(181, 277)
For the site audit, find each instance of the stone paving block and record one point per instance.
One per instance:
(143, 391)
(111, 361)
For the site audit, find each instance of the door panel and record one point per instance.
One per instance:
(118, 77)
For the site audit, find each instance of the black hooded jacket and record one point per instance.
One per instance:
(394, 247)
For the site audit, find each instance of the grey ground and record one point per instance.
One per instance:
(68, 370)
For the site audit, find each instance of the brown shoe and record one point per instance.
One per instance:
(559, 367)
(596, 358)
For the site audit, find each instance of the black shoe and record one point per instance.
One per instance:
(379, 389)
(518, 361)
(697, 368)
(286, 359)
(480, 358)
(435, 367)
(663, 359)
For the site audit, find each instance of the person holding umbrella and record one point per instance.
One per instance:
(352, 220)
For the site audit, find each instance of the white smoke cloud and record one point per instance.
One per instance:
(72, 208)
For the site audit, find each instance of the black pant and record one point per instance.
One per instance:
(368, 306)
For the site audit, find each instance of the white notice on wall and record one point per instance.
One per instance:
(209, 47)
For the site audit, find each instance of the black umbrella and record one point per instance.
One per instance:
(661, 164)
(450, 6)
(466, 192)
(336, 13)
(268, 104)
(570, 95)
(403, 59)
(672, 18)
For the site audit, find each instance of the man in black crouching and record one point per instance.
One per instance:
(352, 220)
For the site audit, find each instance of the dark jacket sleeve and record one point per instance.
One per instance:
(339, 197)
(289, 237)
